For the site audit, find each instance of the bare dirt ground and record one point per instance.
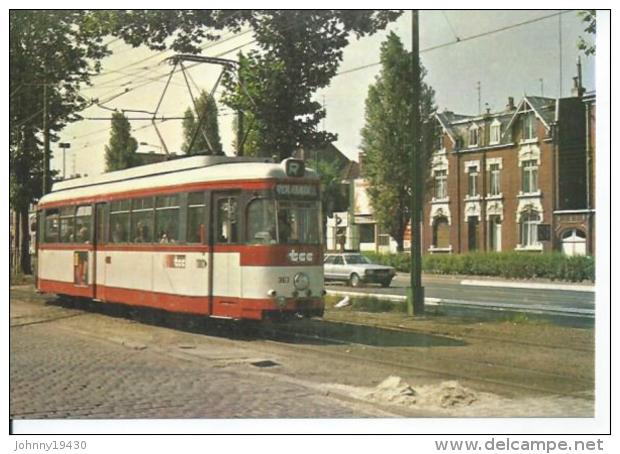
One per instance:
(402, 366)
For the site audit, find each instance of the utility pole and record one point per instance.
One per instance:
(240, 133)
(46, 144)
(415, 300)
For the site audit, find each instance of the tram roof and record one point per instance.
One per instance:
(192, 169)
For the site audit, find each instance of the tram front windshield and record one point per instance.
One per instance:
(283, 222)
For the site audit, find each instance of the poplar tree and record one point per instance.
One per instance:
(120, 153)
(206, 108)
(387, 138)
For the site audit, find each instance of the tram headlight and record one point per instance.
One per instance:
(301, 281)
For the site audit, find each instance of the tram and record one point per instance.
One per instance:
(218, 236)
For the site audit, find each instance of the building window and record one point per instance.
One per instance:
(529, 228)
(367, 233)
(529, 176)
(528, 123)
(495, 233)
(439, 139)
(441, 184)
(472, 177)
(574, 242)
(494, 182)
(496, 130)
(473, 136)
(472, 233)
(441, 233)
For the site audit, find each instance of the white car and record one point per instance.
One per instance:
(356, 269)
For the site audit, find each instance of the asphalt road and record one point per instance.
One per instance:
(450, 288)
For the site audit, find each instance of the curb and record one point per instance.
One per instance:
(529, 285)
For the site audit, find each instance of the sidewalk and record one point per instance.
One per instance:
(495, 281)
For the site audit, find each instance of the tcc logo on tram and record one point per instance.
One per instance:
(297, 257)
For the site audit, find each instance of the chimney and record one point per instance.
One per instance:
(511, 104)
(578, 89)
(361, 157)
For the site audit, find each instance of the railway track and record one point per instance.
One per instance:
(284, 335)
(295, 337)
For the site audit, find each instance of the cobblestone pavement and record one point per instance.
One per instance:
(60, 372)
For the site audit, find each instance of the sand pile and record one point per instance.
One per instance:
(452, 394)
(394, 390)
(448, 394)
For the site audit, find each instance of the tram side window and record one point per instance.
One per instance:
(51, 226)
(227, 225)
(83, 216)
(167, 215)
(142, 220)
(67, 232)
(261, 222)
(196, 232)
(119, 221)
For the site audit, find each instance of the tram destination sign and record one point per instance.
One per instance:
(297, 191)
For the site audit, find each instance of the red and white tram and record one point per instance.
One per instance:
(224, 237)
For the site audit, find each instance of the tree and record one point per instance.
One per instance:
(588, 17)
(206, 108)
(387, 138)
(51, 52)
(299, 53)
(121, 151)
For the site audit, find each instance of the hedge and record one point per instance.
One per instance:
(512, 265)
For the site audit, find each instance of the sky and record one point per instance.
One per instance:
(458, 48)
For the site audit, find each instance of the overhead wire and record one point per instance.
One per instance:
(457, 41)
(462, 40)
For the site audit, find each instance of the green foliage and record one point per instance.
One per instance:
(588, 17)
(387, 138)
(54, 51)
(208, 137)
(512, 265)
(378, 305)
(120, 153)
(332, 194)
(299, 51)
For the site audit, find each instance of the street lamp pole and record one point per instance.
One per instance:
(415, 300)
(64, 147)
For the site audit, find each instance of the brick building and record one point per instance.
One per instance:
(520, 179)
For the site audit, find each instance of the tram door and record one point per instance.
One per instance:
(225, 269)
(98, 255)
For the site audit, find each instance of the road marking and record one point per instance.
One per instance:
(532, 285)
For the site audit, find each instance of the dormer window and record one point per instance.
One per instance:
(474, 136)
(439, 139)
(496, 131)
(528, 123)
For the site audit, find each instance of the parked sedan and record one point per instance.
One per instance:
(356, 269)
